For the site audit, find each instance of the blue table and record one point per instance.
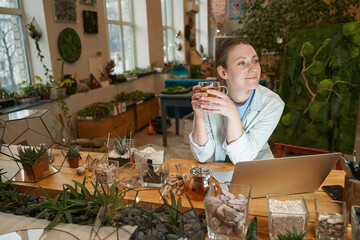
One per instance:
(185, 82)
(173, 100)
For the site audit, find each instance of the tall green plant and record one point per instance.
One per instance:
(266, 23)
(320, 86)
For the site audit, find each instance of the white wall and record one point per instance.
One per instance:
(35, 9)
(141, 34)
(151, 83)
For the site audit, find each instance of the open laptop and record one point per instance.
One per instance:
(287, 175)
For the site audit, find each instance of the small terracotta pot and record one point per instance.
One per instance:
(74, 161)
(46, 96)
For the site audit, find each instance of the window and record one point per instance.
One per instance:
(197, 28)
(120, 26)
(168, 30)
(13, 55)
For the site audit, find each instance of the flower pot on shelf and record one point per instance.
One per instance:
(46, 96)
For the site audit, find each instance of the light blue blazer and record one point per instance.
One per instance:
(259, 121)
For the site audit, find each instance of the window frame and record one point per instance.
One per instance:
(166, 28)
(26, 48)
(121, 23)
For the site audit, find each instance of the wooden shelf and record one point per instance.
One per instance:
(121, 124)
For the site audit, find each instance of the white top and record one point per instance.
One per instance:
(259, 121)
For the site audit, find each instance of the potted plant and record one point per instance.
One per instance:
(34, 160)
(109, 71)
(121, 149)
(73, 156)
(43, 89)
(27, 94)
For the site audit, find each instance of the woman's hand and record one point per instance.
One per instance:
(221, 104)
(196, 102)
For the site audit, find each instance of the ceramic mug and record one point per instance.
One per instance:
(204, 86)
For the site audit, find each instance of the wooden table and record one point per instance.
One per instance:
(173, 100)
(258, 207)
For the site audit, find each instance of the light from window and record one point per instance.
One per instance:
(168, 30)
(9, 3)
(121, 34)
(13, 56)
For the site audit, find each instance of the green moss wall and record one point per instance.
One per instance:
(320, 84)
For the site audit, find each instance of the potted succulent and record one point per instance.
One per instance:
(27, 94)
(43, 89)
(121, 149)
(34, 160)
(73, 156)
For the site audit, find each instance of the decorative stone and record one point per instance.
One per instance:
(80, 171)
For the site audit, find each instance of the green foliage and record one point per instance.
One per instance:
(138, 72)
(47, 71)
(96, 111)
(69, 45)
(66, 116)
(6, 93)
(133, 96)
(60, 208)
(31, 155)
(73, 151)
(252, 230)
(291, 235)
(13, 199)
(112, 196)
(28, 91)
(121, 144)
(71, 201)
(4, 184)
(42, 88)
(266, 21)
(174, 223)
(323, 114)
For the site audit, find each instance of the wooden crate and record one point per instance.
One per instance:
(121, 124)
(145, 111)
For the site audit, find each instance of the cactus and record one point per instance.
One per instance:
(73, 151)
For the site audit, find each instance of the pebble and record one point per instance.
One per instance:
(80, 171)
(20, 210)
(33, 197)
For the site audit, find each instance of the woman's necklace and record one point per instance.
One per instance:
(238, 103)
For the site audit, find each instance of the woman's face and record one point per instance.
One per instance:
(243, 68)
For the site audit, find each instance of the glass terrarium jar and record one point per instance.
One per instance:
(154, 170)
(106, 172)
(121, 150)
(226, 210)
(129, 175)
(331, 219)
(355, 222)
(285, 213)
(198, 182)
(150, 151)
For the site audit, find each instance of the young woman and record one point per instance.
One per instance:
(235, 126)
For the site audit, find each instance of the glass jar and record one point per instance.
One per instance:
(198, 182)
